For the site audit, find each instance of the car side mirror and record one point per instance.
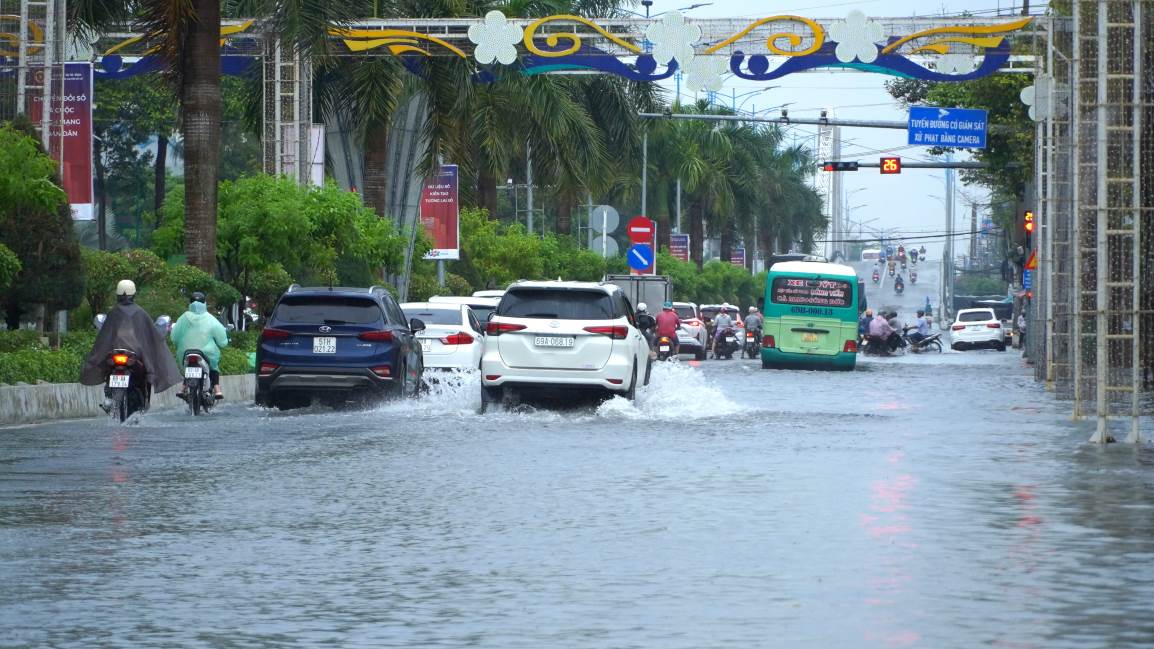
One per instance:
(416, 325)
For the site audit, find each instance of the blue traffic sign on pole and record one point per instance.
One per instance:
(1027, 280)
(640, 256)
(949, 127)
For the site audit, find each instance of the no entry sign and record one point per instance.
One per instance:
(640, 230)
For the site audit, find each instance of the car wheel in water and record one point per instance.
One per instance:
(490, 396)
(631, 393)
(649, 370)
(290, 403)
(699, 355)
(1001, 347)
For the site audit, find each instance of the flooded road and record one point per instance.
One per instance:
(922, 501)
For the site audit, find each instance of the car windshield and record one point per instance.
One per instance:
(435, 316)
(325, 309)
(558, 304)
(684, 312)
(975, 316)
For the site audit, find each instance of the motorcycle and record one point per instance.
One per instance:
(752, 347)
(664, 348)
(874, 346)
(913, 278)
(126, 388)
(197, 382)
(903, 266)
(899, 288)
(726, 345)
(892, 271)
(876, 277)
(931, 343)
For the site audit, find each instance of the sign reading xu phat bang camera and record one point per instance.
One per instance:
(440, 214)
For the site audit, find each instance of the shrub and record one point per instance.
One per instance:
(32, 365)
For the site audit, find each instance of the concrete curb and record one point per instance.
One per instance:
(26, 404)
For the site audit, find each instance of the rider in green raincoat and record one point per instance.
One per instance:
(196, 329)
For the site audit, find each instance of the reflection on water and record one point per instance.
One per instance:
(927, 502)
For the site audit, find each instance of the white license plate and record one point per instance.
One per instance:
(730, 339)
(664, 348)
(426, 345)
(118, 380)
(553, 341)
(324, 345)
(975, 328)
(193, 373)
(808, 337)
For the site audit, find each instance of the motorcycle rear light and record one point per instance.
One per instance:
(749, 335)
(994, 325)
(377, 337)
(383, 371)
(120, 359)
(498, 328)
(266, 369)
(459, 338)
(958, 327)
(616, 332)
(768, 341)
(850, 346)
(192, 360)
(274, 334)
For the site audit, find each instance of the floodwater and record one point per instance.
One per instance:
(921, 501)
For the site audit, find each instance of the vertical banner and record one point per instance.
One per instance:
(440, 215)
(737, 257)
(679, 246)
(70, 142)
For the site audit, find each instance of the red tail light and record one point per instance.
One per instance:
(994, 325)
(274, 334)
(664, 340)
(958, 327)
(266, 369)
(192, 360)
(850, 346)
(768, 341)
(492, 377)
(383, 371)
(616, 381)
(459, 338)
(377, 337)
(498, 328)
(616, 332)
(749, 335)
(120, 359)
(693, 322)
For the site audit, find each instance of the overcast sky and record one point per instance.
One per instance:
(907, 201)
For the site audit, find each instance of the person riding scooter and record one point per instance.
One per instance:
(667, 324)
(879, 333)
(646, 323)
(197, 329)
(913, 277)
(899, 284)
(876, 277)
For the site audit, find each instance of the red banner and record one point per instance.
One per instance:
(70, 127)
(440, 213)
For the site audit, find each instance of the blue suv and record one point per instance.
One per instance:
(337, 344)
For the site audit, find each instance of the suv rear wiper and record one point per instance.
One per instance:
(539, 315)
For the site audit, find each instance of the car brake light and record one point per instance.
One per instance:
(120, 359)
(616, 332)
(492, 377)
(274, 334)
(377, 337)
(459, 338)
(498, 328)
(383, 371)
(850, 346)
(693, 322)
(193, 359)
(768, 341)
(994, 325)
(616, 381)
(958, 327)
(266, 369)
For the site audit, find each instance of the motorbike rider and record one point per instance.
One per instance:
(646, 323)
(922, 252)
(899, 283)
(754, 321)
(863, 325)
(722, 323)
(892, 265)
(880, 331)
(130, 327)
(667, 324)
(914, 276)
(922, 328)
(197, 329)
(895, 339)
(914, 255)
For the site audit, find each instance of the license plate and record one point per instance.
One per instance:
(664, 348)
(749, 337)
(553, 341)
(426, 345)
(193, 372)
(809, 338)
(118, 380)
(730, 339)
(975, 328)
(324, 345)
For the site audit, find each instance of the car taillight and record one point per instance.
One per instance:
(193, 359)
(459, 338)
(768, 341)
(492, 377)
(266, 369)
(498, 328)
(616, 381)
(274, 334)
(850, 346)
(616, 332)
(383, 371)
(377, 337)
(994, 325)
(120, 359)
(958, 327)
(693, 322)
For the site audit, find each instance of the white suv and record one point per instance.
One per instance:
(554, 337)
(977, 328)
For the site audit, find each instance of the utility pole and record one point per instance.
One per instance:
(973, 235)
(529, 184)
(644, 170)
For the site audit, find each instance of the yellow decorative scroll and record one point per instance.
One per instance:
(942, 46)
(225, 30)
(771, 42)
(552, 39)
(34, 46)
(398, 40)
(983, 29)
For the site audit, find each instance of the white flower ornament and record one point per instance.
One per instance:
(705, 73)
(956, 63)
(673, 38)
(1037, 97)
(496, 39)
(856, 38)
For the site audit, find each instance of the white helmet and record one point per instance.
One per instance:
(126, 287)
(753, 309)
(641, 307)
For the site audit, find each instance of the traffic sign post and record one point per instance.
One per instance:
(640, 257)
(640, 229)
(642, 232)
(950, 127)
(1027, 280)
(679, 246)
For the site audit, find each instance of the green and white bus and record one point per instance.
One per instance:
(811, 316)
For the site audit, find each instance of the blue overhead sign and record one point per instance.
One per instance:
(640, 256)
(947, 127)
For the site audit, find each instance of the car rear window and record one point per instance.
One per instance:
(330, 310)
(483, 312)
(436, 316)
(975, 316)
(808, 291)
(557, 304)
(684, 312)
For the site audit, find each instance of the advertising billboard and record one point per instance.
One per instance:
(440, 213)
(70, 143)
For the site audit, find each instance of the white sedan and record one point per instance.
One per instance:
(977, 328)
(453, 337)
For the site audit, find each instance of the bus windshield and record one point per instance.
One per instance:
(808, 291)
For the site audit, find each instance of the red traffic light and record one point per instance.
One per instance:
(842, 165)
(891, 165)
(1028, 221)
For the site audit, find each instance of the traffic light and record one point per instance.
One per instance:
(891, 165)
(1028, 226)
(842, 165)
